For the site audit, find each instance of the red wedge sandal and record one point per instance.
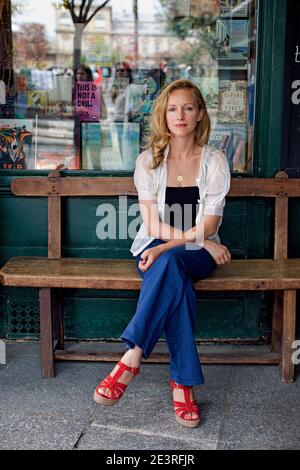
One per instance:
(182, 409)
(117, 388)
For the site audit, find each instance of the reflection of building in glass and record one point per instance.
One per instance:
(107, 38)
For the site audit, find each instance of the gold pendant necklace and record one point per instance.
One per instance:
(180, 177)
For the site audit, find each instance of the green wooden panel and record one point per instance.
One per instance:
(269, 87)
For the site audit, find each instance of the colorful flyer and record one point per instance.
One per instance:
(87, 101)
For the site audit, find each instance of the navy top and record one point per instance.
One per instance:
(186, 199)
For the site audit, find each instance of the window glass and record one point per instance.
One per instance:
(79, 83)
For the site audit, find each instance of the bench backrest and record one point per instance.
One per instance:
(55, 187)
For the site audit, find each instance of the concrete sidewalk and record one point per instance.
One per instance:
(243, 407)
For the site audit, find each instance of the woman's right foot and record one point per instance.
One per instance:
(111, 389)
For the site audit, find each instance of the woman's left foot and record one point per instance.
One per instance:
(187, 412)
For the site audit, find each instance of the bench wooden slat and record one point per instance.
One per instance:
(97, 186)
(256, 274)
(238, 357)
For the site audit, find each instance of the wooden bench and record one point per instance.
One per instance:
(55, 273)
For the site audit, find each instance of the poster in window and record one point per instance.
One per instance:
(54, 145)
(16, 144)
(60, 97)
(233, 101)
(87, 101)
(234, 8)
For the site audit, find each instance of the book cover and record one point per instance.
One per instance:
(38, 100)
(60, 97)
(101, 146)
(21, 105)
(233, 8)
(110, 145)
(16, 144)
(87, 101)
(130, 145)
(232, 36)
(209, 87)
(232, 140)
(54, 145)
(233, 101)
(204, 8)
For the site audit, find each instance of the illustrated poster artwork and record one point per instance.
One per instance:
(16, 144)
(233, 101)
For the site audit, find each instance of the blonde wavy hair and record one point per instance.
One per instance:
(159, 136)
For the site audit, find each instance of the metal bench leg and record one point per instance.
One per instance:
(57, 316)
(288, 335)
(46, 336)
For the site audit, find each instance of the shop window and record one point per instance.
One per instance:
(54, 114)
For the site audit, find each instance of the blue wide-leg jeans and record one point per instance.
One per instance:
(167, 304)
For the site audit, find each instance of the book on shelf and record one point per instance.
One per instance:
(232, 140)
(234, 8)
(54, 145)
(16, 144)
(110, 145)
(233, 101)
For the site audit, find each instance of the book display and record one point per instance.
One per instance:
(97, 115)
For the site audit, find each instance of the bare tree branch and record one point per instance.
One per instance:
(82, 7)
(96, 11)
(87, 10)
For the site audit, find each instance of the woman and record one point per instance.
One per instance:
(178, 167)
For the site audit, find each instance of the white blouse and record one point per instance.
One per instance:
(213, 182)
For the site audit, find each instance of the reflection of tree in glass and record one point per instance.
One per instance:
(81, 13)
(31, 44)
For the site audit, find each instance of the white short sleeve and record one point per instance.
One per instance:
(218, 185)
(143, 179)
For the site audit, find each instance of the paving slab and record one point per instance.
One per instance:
(243, 407)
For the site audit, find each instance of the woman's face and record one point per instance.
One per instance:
(183, 113)
(81, 75)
